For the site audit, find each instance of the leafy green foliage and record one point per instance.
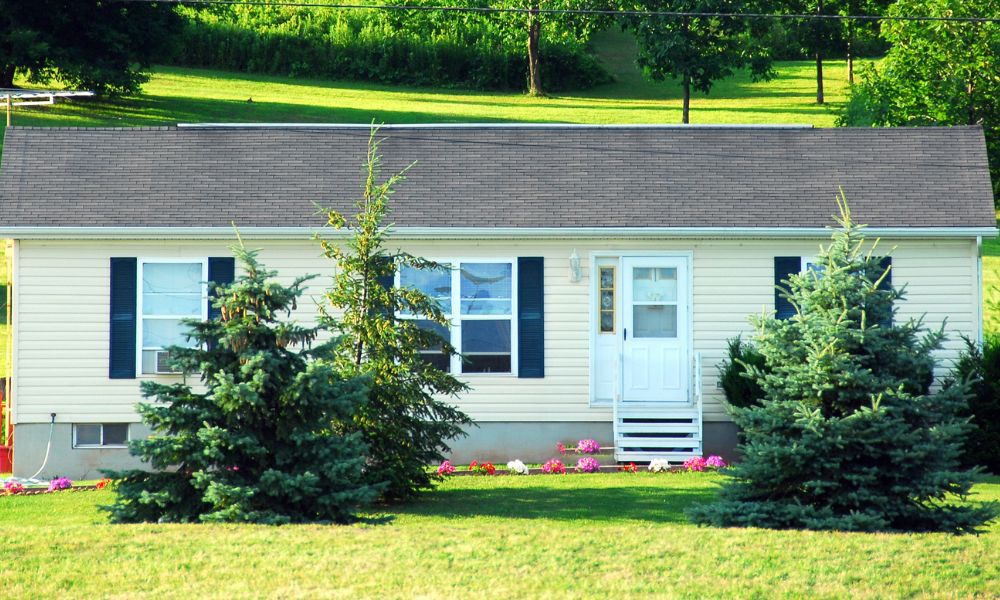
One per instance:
(699, 50)
(405, 423)
(430, 48)
(936, 73)
(86, 43)
(848, 435)
(740, 388)
(259, 444)
(979, 364)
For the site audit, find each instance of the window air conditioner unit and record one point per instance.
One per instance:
(163, 365)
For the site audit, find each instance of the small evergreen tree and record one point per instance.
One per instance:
(848, 435)
(258, 445)
(980, 365)
(741, 389)
(405, 423)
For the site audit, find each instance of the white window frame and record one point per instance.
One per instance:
(142, 262)
(101, 444)
(456, 317)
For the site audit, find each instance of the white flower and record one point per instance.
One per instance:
(659, 464)
(516, 466)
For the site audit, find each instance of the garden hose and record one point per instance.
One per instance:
(48, 448)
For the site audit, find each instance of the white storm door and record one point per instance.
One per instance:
(655, 329)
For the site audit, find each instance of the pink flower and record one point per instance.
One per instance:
(588, 465)
(695, 463)
(446, 468)
(553, 466)
(588, 447)
(561, 447)
(472, 465)
(60, 483)
(715, 462)
(12, 487)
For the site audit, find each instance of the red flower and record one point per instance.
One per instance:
(489, 468)
(472, 465)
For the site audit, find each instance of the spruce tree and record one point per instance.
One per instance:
(406, 422)
(849, 435)
(258, 443)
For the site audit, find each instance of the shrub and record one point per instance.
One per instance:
(980, 366)
(261, 441)
(740, 388)
(848, 435)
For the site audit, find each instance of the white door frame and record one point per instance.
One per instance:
(688, 256)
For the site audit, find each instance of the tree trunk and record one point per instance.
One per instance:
(7, 76)
(687, 99)
(850, 53)
(534, 33)
(819, 55)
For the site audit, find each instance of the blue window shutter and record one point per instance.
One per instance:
(530, 317)
(122, 355)
(3, 304)
(221, 271)
(784, 266)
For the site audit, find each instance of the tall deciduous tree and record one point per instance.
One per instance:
(259, 442)
(698, 50)
(405, 422)
(849, 435)
(936, 73)
(85, 43)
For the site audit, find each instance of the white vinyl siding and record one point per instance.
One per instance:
(62, 308)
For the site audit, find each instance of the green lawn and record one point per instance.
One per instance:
(595, 536)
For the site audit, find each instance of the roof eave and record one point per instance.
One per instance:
(479, 233)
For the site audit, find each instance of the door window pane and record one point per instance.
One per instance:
(486, 346)
(434, 283)
(654, 321)
(486, 288)
(654, 284)
(606, 289)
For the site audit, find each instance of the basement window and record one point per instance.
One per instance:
(100, 435)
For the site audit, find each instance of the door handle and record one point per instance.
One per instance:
(625, 331)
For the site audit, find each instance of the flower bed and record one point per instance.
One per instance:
(59, 484)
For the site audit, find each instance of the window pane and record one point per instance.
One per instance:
(654, 321)
(437, 360)
(485, 337)
(486, 346)
(654, 284)
(115, 434)
(88, 435)
(160, 333)
(487, 363)
(171, 289)
(434, 283)
(437, 328)
(486, 288)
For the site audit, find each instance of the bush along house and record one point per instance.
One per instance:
(596, 272)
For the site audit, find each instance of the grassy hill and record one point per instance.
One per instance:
(196, 95)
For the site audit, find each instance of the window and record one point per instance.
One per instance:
(169, 292)
(478, 297)
(96, 435)
(606, 293)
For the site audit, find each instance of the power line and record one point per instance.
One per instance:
(567, 11)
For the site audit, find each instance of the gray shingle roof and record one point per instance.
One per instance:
(497, 176)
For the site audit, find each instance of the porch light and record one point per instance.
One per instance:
(574, 267)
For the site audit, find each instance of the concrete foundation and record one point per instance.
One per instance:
(30, 440)
(498, 442)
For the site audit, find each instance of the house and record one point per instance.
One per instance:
(597, 271)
